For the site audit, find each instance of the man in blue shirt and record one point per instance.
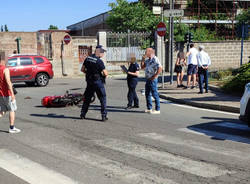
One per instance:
(153, 68)
(95, 71)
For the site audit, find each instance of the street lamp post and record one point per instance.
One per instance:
(18, 39)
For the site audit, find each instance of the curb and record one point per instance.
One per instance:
(202, 105)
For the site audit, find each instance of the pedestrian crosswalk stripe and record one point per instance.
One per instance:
(196, 145)
(30, 171)
(112, 168)
(215, 134)
(237, 126)
(170, 160)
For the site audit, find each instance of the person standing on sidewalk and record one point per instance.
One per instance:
(132, 80)
(179, 68)
(203, 63)
(152, 68)
(192, 66)
(7, 97)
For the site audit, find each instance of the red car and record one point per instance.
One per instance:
(31, 69)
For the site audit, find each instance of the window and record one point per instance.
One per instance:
(12, 62)
(25, 61)
(38, 60)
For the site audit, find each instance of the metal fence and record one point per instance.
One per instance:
(121, 45)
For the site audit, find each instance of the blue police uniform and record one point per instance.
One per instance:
(132, 83)
(95, 84)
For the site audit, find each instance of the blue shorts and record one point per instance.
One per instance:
(192, 69)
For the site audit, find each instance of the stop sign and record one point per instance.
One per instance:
(67, 39)
(161, 29)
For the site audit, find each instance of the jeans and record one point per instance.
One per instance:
(151, 89)
(203, 77)
(98, 88)
(132, 96)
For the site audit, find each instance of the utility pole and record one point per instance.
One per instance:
(170, 41)
(162, 47)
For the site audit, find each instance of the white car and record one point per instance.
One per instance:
(245, 105)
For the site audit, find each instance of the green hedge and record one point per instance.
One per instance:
(236, 84)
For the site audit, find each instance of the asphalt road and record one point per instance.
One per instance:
(182, 145)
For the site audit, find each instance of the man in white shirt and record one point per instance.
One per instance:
(192, 65)
(204, 62)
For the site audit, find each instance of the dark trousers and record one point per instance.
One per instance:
(203, 78)
(132, 96)
(92, 88)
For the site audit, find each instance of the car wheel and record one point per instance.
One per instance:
(30, 83)
(42, 79)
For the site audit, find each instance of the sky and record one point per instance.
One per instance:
(34, 15)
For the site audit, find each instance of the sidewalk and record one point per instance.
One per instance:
(213, 100)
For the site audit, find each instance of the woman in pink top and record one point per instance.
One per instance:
(7, 97)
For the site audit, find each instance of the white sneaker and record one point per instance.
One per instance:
(14, 130)
(155, 112)
(148, 111)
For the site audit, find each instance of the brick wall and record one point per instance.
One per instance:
(28, 42)
(224, 54)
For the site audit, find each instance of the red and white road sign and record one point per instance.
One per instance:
(67, 39)
(161, 29)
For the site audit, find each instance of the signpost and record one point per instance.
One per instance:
(67, 39)
(174, 13)
(161, 31)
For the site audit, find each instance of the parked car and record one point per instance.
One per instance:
(31, 69)
(245, 105)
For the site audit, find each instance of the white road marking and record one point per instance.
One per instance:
(170, 160)
(112, 168)
(215, 134)
(30, 171)
(202, 109)
(196, 145)
(233, 125)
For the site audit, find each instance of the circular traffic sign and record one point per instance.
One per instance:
(67, 39)
(161, 29)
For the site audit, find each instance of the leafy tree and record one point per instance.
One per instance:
(1, 28)
(6, 28)
(52, 27)
(244, 17)
(133, 16)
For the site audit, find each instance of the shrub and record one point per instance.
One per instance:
(237, 83)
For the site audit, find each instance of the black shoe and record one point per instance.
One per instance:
(182, 86)
(206, 91)
(192, 87)
(104, 118)
(136, 106)
(178, 86)
(82, 116)
(128, 107)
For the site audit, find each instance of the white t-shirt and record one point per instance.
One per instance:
(192, 58)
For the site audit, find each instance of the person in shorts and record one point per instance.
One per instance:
(179, 68)
(192, 66)
(7, 96)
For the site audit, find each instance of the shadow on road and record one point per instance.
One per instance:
(115, 109)
(52, 115)
(4, 131)
(223, 129)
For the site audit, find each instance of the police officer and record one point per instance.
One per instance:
(96, 73)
